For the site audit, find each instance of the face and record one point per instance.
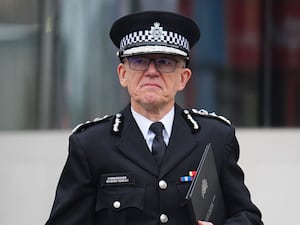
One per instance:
(150, 88)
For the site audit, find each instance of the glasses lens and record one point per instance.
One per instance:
(138, 63)
(165, 65)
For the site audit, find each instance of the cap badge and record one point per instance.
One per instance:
(156, 31)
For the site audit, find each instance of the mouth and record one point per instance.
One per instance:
(151, 85)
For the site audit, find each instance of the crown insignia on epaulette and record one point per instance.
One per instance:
(204, 112)
(83, 126)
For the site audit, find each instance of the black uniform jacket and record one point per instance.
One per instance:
(111, 178)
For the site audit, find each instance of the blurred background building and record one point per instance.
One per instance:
(58, 65)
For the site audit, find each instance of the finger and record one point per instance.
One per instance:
(204, 223)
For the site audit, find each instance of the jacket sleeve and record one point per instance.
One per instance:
(75, 195)
(240, 209)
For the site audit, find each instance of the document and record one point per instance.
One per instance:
(204, 197)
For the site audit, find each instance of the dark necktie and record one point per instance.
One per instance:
(158, 145)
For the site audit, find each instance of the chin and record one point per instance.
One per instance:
(150, 102)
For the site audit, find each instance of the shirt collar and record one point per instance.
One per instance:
(144, 123)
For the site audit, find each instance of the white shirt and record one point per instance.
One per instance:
(144, 125)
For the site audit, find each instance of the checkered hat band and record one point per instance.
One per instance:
(166, 38)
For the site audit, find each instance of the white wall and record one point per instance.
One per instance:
(31, 162)
(271, 161)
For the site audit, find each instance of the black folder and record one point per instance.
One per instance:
(204, 198)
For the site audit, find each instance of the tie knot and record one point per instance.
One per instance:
(157, 128)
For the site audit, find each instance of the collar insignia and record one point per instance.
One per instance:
(191, 121)
(118, 124)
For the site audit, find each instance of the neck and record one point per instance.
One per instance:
(153, 113)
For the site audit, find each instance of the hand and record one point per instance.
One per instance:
(204, 223)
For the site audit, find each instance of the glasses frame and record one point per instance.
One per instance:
(156, 63)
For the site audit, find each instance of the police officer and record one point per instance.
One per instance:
(125, 169)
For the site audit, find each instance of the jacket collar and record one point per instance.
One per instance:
(133, 145)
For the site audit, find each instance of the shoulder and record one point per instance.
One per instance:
(197, 118)
(85, 125)
(210, 115)
(112, 121)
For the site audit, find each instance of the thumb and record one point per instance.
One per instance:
(204, 223)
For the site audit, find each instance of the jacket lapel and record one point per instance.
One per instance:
(182, 143)
(133, 145)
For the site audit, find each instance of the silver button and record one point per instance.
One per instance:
(163, 218)
(116, 204)
(162, 184)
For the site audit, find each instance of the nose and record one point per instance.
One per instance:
(152, 67)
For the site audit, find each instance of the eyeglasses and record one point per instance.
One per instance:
(140, 63)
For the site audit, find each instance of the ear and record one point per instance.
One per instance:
(184, 78)
(122, 74)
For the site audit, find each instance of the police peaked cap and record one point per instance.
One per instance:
(154, 32)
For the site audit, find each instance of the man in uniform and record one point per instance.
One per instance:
(125, 169)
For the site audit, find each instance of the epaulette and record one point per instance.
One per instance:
(203, 112)
(82, 126)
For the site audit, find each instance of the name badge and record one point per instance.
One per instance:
(117, 179)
